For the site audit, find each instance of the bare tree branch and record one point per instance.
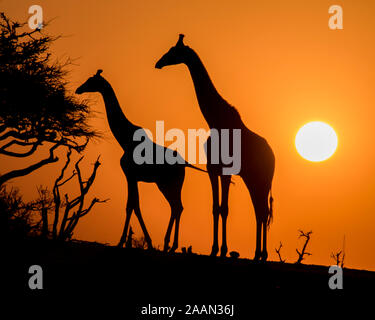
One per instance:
(56, 193)
(278, 251)
(76, 216)
(20, 143)
(22, 172)
(337, 257)
(303, 252)
(34, 145)
(48, 137)
(70, 220)
(65, 218)
(15, 134)
(68, 179)
(93, 202)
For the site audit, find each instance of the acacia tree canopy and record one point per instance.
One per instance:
(35, 106)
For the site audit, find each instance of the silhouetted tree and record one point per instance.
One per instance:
(16, 216)
(278, 251)
(339, 256)
(35, 107)
(303, 253)
(43, 204)
(19, 219)
(72, 210)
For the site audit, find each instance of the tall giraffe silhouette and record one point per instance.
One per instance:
(168, 177)
(257, 158)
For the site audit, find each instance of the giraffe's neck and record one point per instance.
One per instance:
(120, 126)
(209, 100)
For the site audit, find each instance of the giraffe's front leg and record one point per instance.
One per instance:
(133, 197)
(129, 210)
(124, 235)
(137, 212)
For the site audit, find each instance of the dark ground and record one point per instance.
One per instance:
(138, 277)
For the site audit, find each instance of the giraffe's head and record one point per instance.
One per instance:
(93, 84)
(175, 55)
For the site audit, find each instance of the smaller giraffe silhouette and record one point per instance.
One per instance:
(168, 177)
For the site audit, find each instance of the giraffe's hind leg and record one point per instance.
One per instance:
(168, 233)
(177, 209)
(259, 196)
(172, 192)
(264, 255)
(214, 179)
(261, 212)
(258, 243)
(225, 183)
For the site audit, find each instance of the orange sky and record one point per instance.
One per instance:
(279, 64)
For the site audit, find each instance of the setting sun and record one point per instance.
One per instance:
(316, 141)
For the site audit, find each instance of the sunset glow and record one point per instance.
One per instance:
(279, 64)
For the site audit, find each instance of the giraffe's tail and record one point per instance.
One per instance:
(270, 211)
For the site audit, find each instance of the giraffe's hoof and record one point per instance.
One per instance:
(173, 249)
(223, 252)
(257, 256)
(214, 252)
(264, 256)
